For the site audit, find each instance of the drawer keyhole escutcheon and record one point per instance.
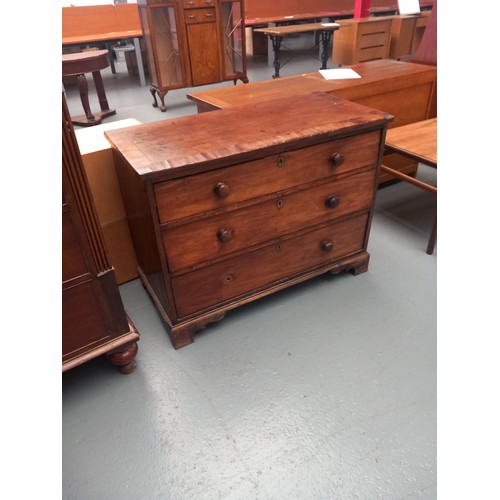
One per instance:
(336, 159)
(225, 234)
(281, 161)
(222, 190)
(279, 247)
(332, 201)
(327, 246)
(280, 203)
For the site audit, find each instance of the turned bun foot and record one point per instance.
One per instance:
(124, 359)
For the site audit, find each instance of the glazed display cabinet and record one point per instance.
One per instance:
(192, 42)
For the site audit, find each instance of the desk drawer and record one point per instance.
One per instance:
(200, 193)
(374, 27)
(374, 40)
(372, 53)
(220, 282)
(218, 236)
(196, 16)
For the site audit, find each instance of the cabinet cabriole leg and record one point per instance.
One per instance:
(162, 94)
(153, 93)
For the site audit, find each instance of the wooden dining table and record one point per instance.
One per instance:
(417, 141)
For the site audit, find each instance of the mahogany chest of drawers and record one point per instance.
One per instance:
(229, 206)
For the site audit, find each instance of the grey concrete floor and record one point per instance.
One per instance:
(323, 391)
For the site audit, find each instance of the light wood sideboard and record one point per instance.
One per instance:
(227, 207)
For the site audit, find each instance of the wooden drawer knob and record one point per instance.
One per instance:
(222, 190)
(327, 246)
(336, 159)
(332, 201)
(225, 234)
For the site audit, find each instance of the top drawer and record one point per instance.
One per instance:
(196, 4)
(378, 26)
(218, 188)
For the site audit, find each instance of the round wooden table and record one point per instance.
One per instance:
(88, 62)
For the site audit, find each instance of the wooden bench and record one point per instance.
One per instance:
(277, 33)
(103, 23)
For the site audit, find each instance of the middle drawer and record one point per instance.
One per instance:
(215, 237)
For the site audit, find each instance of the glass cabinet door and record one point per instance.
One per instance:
(233, 38)
(161, 35)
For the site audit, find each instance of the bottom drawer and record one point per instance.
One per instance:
(233, 277)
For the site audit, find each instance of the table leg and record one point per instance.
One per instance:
(101, 94)
(90, 119)
(111, 58)
(326, 36)
(140, 66)
(270, 55)
(432, 238)
(84, 96)
(276, 41)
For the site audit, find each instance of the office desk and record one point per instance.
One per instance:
(417, 141)
(277, 33)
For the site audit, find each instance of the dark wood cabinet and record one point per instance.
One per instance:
(230, 206)
(94, 321)
(192, 42)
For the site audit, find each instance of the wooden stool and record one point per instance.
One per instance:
(88, 62)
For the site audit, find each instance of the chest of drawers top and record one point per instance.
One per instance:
(189, 145)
